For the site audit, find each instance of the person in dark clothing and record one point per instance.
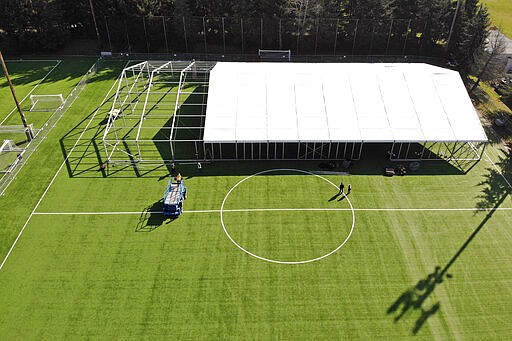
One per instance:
(349, 188)
(342, 186)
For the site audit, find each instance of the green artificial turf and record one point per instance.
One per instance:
(25, 76)
(500, 12)
(420, 261)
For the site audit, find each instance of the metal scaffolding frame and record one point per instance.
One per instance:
(151, 98)
(158, 116)
(431, 151)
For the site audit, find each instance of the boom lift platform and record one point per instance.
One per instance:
(174, 196)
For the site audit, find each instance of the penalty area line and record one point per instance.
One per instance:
(280, 209)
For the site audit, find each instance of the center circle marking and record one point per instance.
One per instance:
(274, 260)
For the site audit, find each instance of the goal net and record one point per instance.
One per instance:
(46, 102)
(275, 55)
(8, 146)
(10, 155)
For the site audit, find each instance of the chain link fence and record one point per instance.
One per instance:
(43, 132)
(240, 36)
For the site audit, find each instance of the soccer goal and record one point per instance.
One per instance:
(275, 55)
(9, 146)
(46, 102)
(10, 155)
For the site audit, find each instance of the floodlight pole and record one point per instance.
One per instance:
(95, 24)
(453, 24)
(28, 131)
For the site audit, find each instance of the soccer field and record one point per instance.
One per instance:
(41, 77)
(264, 250)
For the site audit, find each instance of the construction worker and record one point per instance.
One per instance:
(178, 178)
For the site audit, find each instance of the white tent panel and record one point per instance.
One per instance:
(220, 134)
(282, 121)
(465, 127)
(438, 134)
(376, 135)
(344, 135)
(345, 122)
(251, 122)
(407, 134)
(309, 100)
(222, 122)
(283, 134)
(395, 94)
(251, 134)
(338, 102)
(245, 110)
(307, 134)
(312, 122)
(404, 122)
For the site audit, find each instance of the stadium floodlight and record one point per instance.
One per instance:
(46, 102)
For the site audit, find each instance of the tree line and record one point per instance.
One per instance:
(455, 29)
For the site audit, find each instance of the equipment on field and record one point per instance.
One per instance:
(174, 196)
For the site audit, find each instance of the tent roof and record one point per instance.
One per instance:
(338, 102)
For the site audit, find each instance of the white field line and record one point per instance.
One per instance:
(281, 209)
(31, 91)
(55, 176)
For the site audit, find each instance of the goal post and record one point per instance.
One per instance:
(10, 156)
(275, 55)
(46, 102)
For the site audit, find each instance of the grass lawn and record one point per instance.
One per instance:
(501, 14)
(97, 261)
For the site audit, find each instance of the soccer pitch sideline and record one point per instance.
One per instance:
(87, 254)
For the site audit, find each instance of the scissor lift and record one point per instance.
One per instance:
(174, 196)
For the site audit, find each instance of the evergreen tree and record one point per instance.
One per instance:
(469, 34)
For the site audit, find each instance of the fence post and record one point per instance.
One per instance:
(242, 33)
(406, 36)
(127, 37)
(145, 34)
(280, 35)
(389, 36)
(336, 35)
(316, 35)
(108, 33)
(371, 39)
(298, 35)
(355, 35)
(261, 33)
(165, 35)
(223, 36)
(204, 36)
(185, 34)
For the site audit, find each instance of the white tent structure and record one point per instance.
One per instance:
(195, 110)
(329, 110)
